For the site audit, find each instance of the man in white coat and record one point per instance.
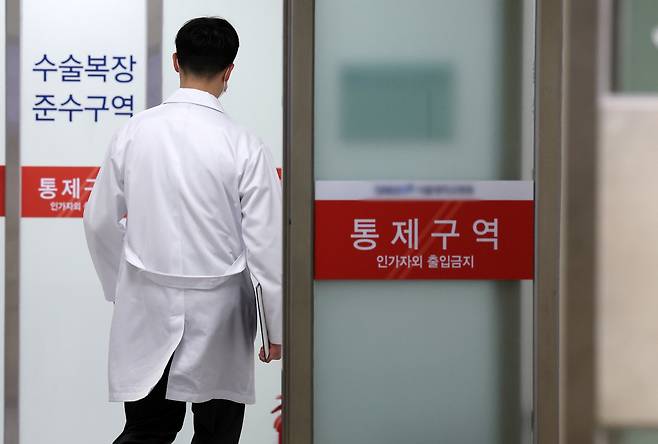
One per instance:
(185, 217)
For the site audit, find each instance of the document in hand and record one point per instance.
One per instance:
(262, 321)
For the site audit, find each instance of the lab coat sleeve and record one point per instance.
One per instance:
(262, 214)
(104, 222)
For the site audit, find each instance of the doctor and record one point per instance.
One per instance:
(184, 218)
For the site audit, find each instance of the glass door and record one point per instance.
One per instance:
(421, 299)
(420, 90)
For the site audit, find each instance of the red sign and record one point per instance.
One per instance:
(2, 190)
(60, 191)
(56, 191)
(424, 239)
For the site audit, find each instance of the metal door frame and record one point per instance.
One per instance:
(12, 220)
(298, 383)
(548, 178)
(298, 56)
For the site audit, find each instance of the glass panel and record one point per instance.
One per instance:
(64, 319)
(423, 90)
(636, 62)
(632, 436)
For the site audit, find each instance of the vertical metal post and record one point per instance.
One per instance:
(154, 16)
(298, 214)
(579, 253)
(12, 219)
(548, 172)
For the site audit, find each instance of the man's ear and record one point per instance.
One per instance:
(174, 58)
(229, 70)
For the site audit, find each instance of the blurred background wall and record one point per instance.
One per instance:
(610, 223)
(627, 235)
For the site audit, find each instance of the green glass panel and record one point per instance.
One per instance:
(393, 103)
(636, 61)
(633, 436)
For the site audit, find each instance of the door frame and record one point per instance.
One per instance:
(548, 177)
(298, 184)
(298, 178)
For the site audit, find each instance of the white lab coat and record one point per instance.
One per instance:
(186, 204)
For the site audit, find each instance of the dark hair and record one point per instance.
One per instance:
(206, 46)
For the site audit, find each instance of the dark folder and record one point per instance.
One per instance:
(262, 320)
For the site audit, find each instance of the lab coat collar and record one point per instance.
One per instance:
(197, 97)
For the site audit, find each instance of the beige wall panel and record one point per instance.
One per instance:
(628, 262)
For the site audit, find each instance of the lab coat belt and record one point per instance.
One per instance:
(191, 282)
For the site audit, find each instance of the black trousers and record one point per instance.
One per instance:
(156, 420)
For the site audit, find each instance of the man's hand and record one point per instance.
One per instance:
(275, 353)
